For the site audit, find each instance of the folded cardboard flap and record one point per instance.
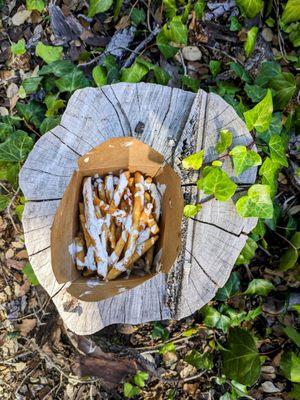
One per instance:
(110, 157)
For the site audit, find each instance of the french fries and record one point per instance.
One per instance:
(119, 224)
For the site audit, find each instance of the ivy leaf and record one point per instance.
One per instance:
(98, 6)
(38, 5)
(140, 377)
(235, 26)
(194, 161)
(33, 112)
(288, 259)
(9, 171)
(290, 366)
(291, 12)
(215, 67)
(199, 7)
(137, 16)
(295, 393)
(268, 172)
(244, 159)
(218, 183)
(275, 127)
(49, 123)
(19, 47)
(4, 201)
(277, 150)
(135, 73)
(240, 72)
(190, 210)
(251, 40)
(200, 361)
(48, 53)
(28, 271)
(230, 288)
(190, 83)
(31, 84)
(178, 32)
(167, 348)
(247, 253)
(292, 334)
(165, 48)
(257, 203)
(255, 93)
(225, 141)
(58, 68)
(241, 360)
(284, 87)
(130, 390)
(162, 77)
(99, 75)
(262, 287)
(16, 147)
(53, 104)
(72, 81)
(268, 70)
(250, 8)
(159, 331)
(260, 116)
(5, 131)
(214, 319)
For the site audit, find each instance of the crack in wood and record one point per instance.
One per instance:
(78, 137)
(116, 111)
(69, 147)
(217, 227)
(165, 116)
(122, 111)
(38, 252)
(47, 172)
(202, 269)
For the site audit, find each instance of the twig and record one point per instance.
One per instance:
(31, 128)
(192, 378)
(222, 52)
(140, 47)
(183, 63)
(9, 207)
(27, 376)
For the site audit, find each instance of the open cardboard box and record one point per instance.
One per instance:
(112, 156)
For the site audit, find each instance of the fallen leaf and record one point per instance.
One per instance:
(20, 17)
(26, 326)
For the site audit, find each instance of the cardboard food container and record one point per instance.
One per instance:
(112, 156)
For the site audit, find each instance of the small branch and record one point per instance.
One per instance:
(140, 47)
(9, 208)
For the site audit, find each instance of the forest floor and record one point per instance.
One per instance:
(238, 52)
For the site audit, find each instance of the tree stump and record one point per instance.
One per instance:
(176, 123)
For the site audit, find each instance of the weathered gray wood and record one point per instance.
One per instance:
(175, 123)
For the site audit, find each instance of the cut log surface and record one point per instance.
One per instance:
(176, 123)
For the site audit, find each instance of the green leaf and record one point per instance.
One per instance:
(230, 288)
(72, 81)
(135, 73)
(130, 390)
(38, 5)
(240, 72)
(5, 131)
(137, 16)
(261, 287)
(162, 77)
(19, 47)
(98, 6)
(49, 123)
(268, 70)
(292, 334)
(251, 40)
(53, 105)
(165, 48)
(247, 253)
(254, 92)
(16, 147)
(214, 319)
(33, 112)
(291, 12)
(178, 32)
(159, 331)
(295, 240)
(268, 171)
(9, 172)
(215, 67)
(218, 183)
(250, 8)
(234, 24)
(260, 116)
(99, 75)
(290, 366)
(275, 127)
(244, 159)
(190, 83)
(200, 361)
(225, 141)
(4, 201)
(190, 210)
(194, 161)
(257, 203)
(241, 360)
(199, 7)
(277, 150)
(284, 87)
(140, 377)
(31, 84)
(28, 271)
(190, 332)
(288, 259)
(48, 53)
(295, 393)
(166, 348)
(58, 68)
